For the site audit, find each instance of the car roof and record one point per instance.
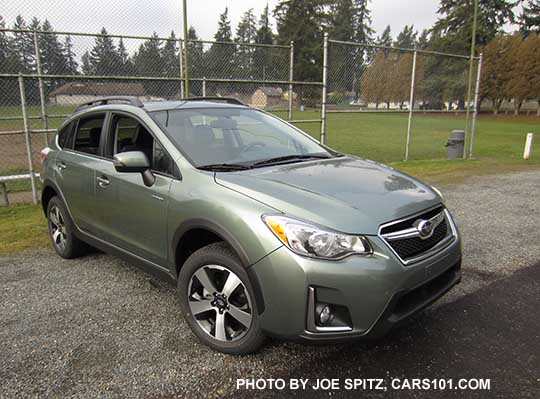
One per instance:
(187, 104)
(191, 102)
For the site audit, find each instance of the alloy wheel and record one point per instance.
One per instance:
(57, 227)
(219, 302)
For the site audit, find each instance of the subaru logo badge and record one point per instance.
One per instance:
(425, 228)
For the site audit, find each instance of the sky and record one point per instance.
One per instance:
(139, 17)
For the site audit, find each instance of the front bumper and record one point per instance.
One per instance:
(378, 291)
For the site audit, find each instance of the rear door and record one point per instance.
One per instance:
(133, 216)
(75, 168)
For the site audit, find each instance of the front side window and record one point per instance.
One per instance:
(233, 136)
(88, 134)
(131, 135)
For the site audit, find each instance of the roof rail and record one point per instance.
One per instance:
(131, 100)
(228, 100)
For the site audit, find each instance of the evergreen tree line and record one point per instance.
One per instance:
(355, 71)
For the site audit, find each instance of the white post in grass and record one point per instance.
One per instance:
(528, 146)
(324, 88)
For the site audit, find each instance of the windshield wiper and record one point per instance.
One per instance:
(224, 167)
(287, 158)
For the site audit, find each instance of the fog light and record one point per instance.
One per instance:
(326, 315)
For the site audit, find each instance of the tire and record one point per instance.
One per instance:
(62, 231)
(217, 303)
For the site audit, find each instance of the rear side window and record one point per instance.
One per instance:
(88, 134)
(65, 138)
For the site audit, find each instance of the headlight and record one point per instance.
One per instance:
(309, 240)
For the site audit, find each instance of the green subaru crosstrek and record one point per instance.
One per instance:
(265, 231)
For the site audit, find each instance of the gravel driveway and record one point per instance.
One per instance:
(98, 327)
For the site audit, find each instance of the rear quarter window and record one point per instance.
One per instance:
(65, 136)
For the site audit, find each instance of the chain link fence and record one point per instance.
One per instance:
(393, 104)
(60, 70)
(384, 103)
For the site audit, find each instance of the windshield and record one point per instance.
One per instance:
(240, 137)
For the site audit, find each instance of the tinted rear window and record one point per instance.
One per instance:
(65, 137)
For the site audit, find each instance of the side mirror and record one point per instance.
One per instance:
(134, 162)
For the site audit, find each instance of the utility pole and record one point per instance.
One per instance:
(186, 64)
(471, 67)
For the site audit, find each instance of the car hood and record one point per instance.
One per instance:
(347, 194)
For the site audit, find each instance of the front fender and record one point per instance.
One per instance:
(228, 214)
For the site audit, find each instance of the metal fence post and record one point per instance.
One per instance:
(186, 62)
(324, 82)
(42, 97)
(476, 105)
(181, 59)
(411, 106)
(291, 77)
(28, 139)
(204, 86)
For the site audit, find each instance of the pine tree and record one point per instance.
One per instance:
(197, 68)
(406, 38)
(529, 19)
(454, 26)
(221, 56)
(245, 33)
(423, 40)
(148, 60)
(385, 39)
(9, 63)
(69, 56)
(350, 21)
(52, 56)
(104, 57)
(5, 49)
(362, 22)
(169, 55)
(302, 22)
(264, 32)
(23, 47)
(224, 32)
(266, 59)
(126, 65)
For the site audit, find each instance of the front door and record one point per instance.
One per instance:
(132, 215)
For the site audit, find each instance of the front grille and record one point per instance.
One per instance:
(411, 246)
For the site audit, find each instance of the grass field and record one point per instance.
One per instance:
(22, 227)
(498, 146)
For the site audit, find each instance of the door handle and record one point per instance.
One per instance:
(61, 165)
(157, 197)
(103, 182)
